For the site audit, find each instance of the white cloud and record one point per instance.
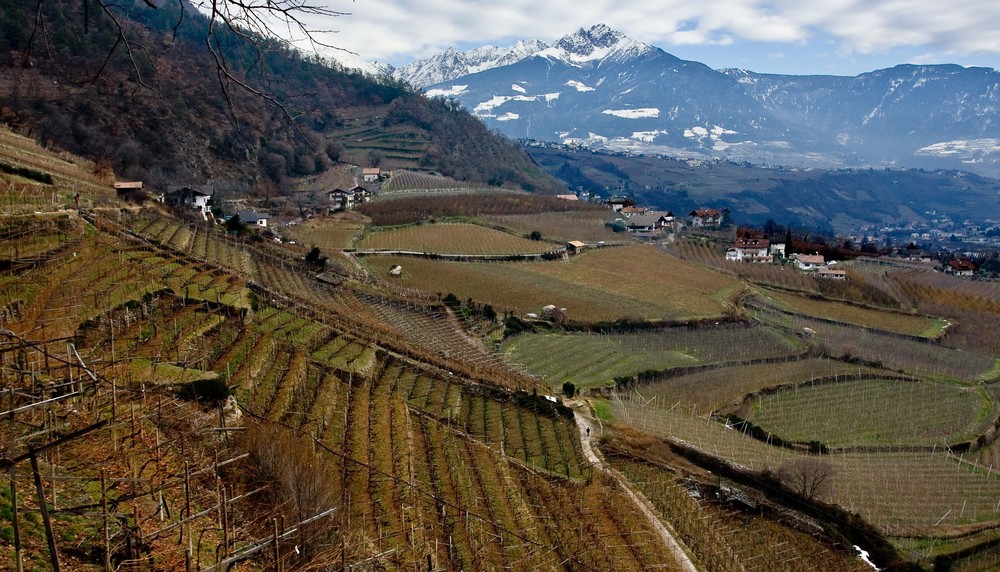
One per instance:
(402, 30)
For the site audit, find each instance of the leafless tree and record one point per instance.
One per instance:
(810, 477)
(259, 24)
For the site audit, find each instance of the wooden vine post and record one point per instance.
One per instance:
(18, 561)
(104, 524)
(43, 506)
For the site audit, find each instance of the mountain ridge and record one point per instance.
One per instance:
(603, 90)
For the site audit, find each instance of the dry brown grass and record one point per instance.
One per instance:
(601, 285)
(453, 239)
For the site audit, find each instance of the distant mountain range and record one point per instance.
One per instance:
(600, 89)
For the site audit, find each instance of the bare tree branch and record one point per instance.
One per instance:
(808, 477)
(261, 26)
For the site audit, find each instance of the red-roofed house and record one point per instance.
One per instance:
(961, 267)
(370, 174)
(809, 261)
(705, 217)
(750, 250)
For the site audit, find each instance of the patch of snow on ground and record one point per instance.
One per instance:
(718, 131)
(484, 108)
(962, 148)
(491, 104)
(578, 86)
(647, 136)
(697, 131)
(508, 117)
(455, 90)
(639, 113)
(518, 88)
(864, 556)
(552, 96)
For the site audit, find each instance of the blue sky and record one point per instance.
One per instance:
(841, 37)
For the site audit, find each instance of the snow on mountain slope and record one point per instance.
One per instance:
(452, 64)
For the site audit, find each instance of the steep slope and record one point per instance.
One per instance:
(166, 116)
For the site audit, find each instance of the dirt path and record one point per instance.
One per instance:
(588, 431)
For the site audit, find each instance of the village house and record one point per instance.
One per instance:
(649, 223)
(705, 218)
(777, 250)
(961, 267)
(632, 211)
(824, 272)
(361, 195)
(618, 203)
(750, 250)
(341, 200)
(370, 174)
(194, 197)
(809, 262)
(253, 218)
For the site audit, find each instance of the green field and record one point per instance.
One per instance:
(453, 239)
(591, 360)
(901, 493)
(639, 282)
(875, 412)
(713, 389)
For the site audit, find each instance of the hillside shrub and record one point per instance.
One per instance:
(205, 390)
(27, 173)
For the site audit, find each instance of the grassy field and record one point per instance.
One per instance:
(888, 350)
(912, 325)
(636, 281)
(453, 239)
(715, 389)
(591, 360)
(881, 412)
(900, 493)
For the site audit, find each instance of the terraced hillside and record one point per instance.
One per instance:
(188, 399)
(344, 438)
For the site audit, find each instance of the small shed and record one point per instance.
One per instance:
(575, 246)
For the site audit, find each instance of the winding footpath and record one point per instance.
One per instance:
(586, 428)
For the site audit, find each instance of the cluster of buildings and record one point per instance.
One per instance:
(649, 223)
(758, 249)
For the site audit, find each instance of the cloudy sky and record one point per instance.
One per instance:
(843, 37)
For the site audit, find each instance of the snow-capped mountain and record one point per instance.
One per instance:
(599, 43)
(350, 61)
(597, 87)
(452, 63)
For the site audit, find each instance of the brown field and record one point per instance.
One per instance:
(328, 233)
(912, 325)
(587, 226)
(636, 281)
(453, 239)
(410, 209)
